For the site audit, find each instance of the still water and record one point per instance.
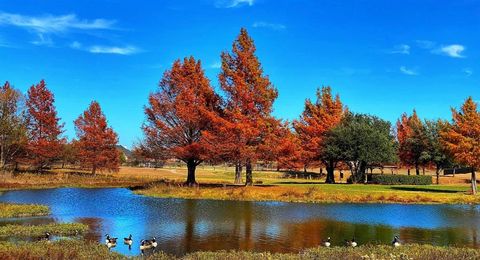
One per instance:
(183, 226)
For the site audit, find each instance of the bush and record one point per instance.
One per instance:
(400, 179)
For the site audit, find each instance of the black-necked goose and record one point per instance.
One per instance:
(110, 241)
(145, 244)
(154, 242)
(353, 243)
(45, 237)
(396, 241)
(128, 240)
(327, 243)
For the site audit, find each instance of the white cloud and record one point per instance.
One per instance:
(468, 72)
(75, 45)
(273, 26)
(128, 50)
(401, 49)
(53, 24)
(44, 26)
(216, 65)
(233, 3)
(407, 71)
(453, 50)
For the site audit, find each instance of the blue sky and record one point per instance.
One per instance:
(382, 57)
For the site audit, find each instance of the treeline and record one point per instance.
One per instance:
(31, 134)
(187, 120)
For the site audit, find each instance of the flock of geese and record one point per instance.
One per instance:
(144, 243)
(152, 243)
(353, 243)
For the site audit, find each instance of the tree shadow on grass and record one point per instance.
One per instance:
(423, 189)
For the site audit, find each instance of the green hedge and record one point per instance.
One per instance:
(400, 179)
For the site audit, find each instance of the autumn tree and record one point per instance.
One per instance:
(96, 144)
(12, 125)
(412, 141)
(282, 146)
(248, 107)
(177, 115)
(461, 137)
(44, 130)
(315, 122)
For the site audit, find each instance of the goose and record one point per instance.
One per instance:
(395, 242)
(128, 240)
(110, 241)
(353, 243)
(45, 237)
(145, 244)
(327, 243)
(154, 242)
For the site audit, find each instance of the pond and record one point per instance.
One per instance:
(182, 226)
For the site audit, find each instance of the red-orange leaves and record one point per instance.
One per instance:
(44, 130)
(178, 113)
(97, 142)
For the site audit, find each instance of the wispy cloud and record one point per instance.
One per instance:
(453, 50)
(75, 45)
(272, 26)
(233, 3)
(53, 24)
(44, 26)
(468, 72)
(408, 71)
(401, 49)
(216, 65)
(127, 50)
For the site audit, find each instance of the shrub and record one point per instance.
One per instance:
(400, 179)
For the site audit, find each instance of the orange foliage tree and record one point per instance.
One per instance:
(96, 144)
(316, 120)
(412, 139)
(462, 137)
(177, 115)
(246, 120)
(44, 129)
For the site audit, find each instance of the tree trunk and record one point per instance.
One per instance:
(248, 173)
(408, 171)
(417, 169)
(423, 170)
(238, 174)
(474, 182)
(330, 172)
(191, 166)
(305, 169)
(437, 173)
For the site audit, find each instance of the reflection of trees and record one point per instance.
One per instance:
(94, 228)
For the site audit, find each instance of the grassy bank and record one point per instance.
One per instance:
(215, 183)
(8, 210)
(60, 229)
(75, 249)
(319, 193)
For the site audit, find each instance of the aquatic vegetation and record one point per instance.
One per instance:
(79, 249)
(8, 210)
(61, 229)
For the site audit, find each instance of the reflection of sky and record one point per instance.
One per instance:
(185, 225)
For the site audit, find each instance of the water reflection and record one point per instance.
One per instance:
(182, 226)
